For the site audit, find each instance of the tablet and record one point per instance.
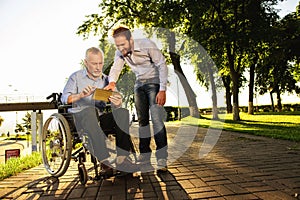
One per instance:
(103, 95)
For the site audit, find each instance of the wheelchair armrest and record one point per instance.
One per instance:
(64, 108)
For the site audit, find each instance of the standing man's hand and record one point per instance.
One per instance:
(161, 98)
(110, 86)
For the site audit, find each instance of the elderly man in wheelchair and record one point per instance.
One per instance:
(93, 125)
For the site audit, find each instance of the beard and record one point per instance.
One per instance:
(95, 74)
(127, 51)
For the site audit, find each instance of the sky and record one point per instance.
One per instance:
(39, 48)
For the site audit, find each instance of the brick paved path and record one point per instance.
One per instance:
(239, 167)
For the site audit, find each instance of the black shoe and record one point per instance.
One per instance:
(162, 165)
(106, 171)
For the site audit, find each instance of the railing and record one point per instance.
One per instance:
(34, 106)
(20, 98)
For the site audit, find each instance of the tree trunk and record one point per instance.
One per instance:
(251, 86)
(250, 108)
(272, 101)
(226, 82)
(214, 93)
(191, 96)
(251, 93)
(235, 100)
(279, 104)
(235, 82)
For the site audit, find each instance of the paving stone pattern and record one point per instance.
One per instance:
(240, 166)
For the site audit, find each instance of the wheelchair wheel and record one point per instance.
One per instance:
(56, 145)
(83, 177)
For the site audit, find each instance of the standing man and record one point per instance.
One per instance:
(88, 113)
(149, 66)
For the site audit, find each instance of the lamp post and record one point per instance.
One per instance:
(178, 109)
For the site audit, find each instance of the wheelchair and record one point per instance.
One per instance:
(61, 143)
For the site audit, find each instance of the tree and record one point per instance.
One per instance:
(27, 122)
(230, 30)
(26, 125)
(279, 71)
(19, 128)
(176, 56)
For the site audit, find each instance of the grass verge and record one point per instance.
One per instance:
(274, 125)
(14, 166)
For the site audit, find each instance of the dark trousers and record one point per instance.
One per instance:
(97, 128)
(145, 102)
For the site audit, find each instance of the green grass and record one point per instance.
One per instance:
(14, 166)
(279, 125)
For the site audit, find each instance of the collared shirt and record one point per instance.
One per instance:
(146, 61)
(76, 83)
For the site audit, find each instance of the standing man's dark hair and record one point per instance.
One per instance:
(122, 31)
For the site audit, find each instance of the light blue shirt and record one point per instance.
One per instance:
(76, 83)
(146, 61)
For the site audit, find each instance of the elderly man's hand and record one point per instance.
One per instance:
(116, 100)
